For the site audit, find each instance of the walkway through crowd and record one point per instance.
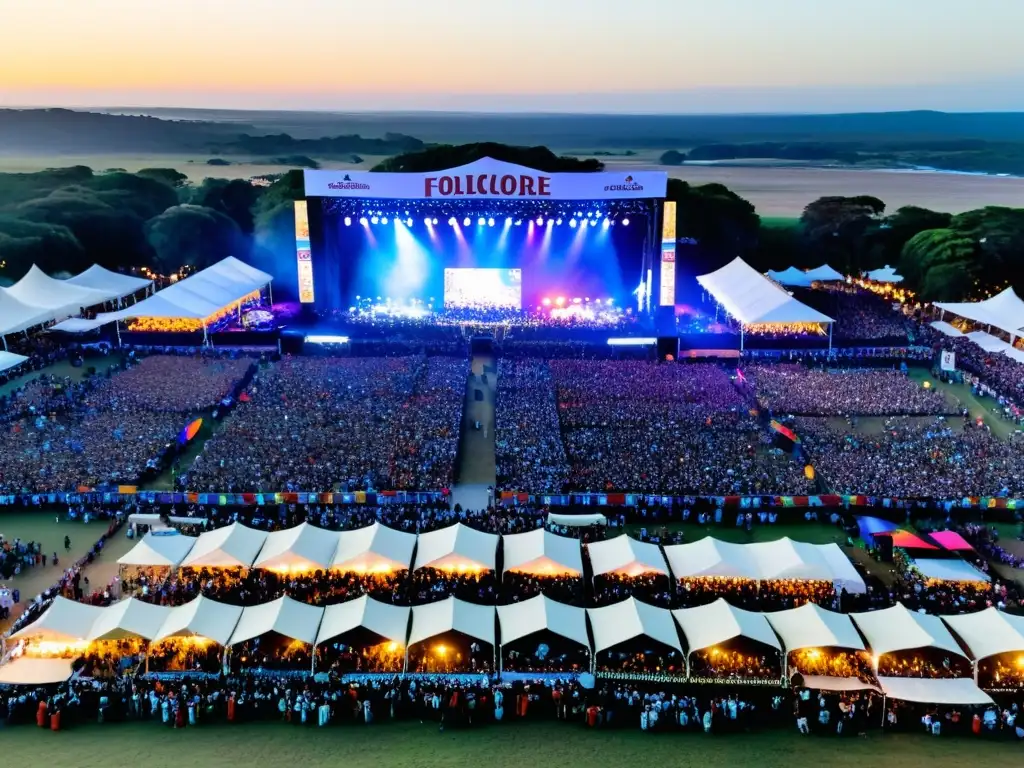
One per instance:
(476, 471)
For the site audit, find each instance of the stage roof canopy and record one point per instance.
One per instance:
(518, 620)
(751, 298)
(1004, 311)
(487, 179)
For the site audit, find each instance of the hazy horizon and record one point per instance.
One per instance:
(573, 56)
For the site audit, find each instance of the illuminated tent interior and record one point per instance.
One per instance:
(201, 618)
(284, 616)
(457, 547)
(630, 619)
(542, 553)
(298, 549)
(65, 621)
(234, 546)
(375, 548)
(153, 550)
(389, 621)
(626, 556)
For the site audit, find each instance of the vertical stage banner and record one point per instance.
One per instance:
(303, 254)
(667, 283)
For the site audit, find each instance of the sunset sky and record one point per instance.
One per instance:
(517, 55)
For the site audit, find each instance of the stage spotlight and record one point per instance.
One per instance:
(434, 222)
(546, 302)
(586, 299)
(385, 220)
(348, 221)
(508, 221)
(363, 221)
(579, 214)
(490, 222)
(540, 221)
(480, 222)
(374, 220)
(427, 222)
(465, 222)
(408, 222)
(577, 300)
(558, 222)
(605, 224)
(452, 222)
(519, 222)
(589, 214)
(597, 301)
(550, 222)
(625, 222)
(572, 223)
(560, 301)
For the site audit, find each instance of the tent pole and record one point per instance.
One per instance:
(270, 290)
(5, 343)
(742, 331)
(830, 337)
(117, 328)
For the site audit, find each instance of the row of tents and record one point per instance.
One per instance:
(379, 548)
(984, 634)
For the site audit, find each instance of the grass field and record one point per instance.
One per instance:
(411, 744)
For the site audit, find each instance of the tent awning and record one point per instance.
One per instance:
(201, 617)
(1004, 311)
(389, 621)
(828, 683)
(751, 298)
(811, 626)
(898, 629)
(885, 275)
(300, 548)
(946, 329)
(457, 547)
(709, 557)
(989, 632)
(949, 570)
(518, 620)
(62, 298)
(113, 285)
(285, 616)
(234, 546)
(433, 619)
(626, 555)
(960, 690)
(630, 619)
(17, 315)
(374, 548)
(10, 360)
(129, 618)
(718, 622)
(156, 550)
(64, 621)
(541, 552)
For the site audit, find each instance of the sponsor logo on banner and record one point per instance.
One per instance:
(627, 185)
(948, 362)
(304, 254)
(487, 185)
(348, 184)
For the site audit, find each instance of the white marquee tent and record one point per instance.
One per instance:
(949, 570)
(457, 547)
(201, 617)
(10, 360)
(433, 619)
(64, 621)
(113, 285)
(719, 622)
(630, 619)
(129, 618)
(285, 616)
(389, 621)
(156, 550)
(517, 620)
(987, 341)
(957, 690)
(791, 276)
(989, 632)
(898, 629)
(946, 329)
(17, 315)
(32, 671)
(374, 548)
(751, 298)
(234, 546)
(811, 626)
(60, 297)
(824, 274)
(709, 557)
(885, 275)
(1004, 311)
(300, 548)
(577, 521)
(625, 555)
(541, 552)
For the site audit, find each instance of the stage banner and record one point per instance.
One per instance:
(303, 252)
(485, 179)
(948, 362)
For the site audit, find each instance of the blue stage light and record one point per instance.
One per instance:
(363, 221)
(579, 214)
(490, 222)
(480, 222)
(452, 222)
(572, 223)
(348, 221)
(434, 222)
(605, 224)
(374, 220)
(558, 222)
(625, 222)
(508, 221)
(465, 222)
(427, 222)
(519, 222)
(550, 222)
(589, 215)
(384, 220)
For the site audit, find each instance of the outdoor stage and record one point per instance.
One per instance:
(488, 235)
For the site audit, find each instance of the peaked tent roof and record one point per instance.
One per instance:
(946, 329)
(989, 632)
(790, 276)
(710, 557)
(201, 617)
(152, 550)
(285, 616)
(129, 618)
(824, 274)
(301, 548)
(10, 360)
(62, 298)
(1005, 311)
(629, 619)
(988, 342)
(719, 622)
(17, 315)
(949, 569)
(750, 297)
(788, 559)
(30, 671)
(374, 548)
(389, 621)
(899, 629)
(957, 690)
(541, 552)
(456, 547)
(624, 554)
(885, 275)
(234, 546)
(112, 284)
(518, 620)
(811, 626)
(433, 619)
(64, 621)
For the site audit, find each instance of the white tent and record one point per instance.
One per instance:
(1014, 353)
(457, 547)
(719, 622)
(885, 275)
(30, 671)
(433, 619)
(750, 297)
(542, 552)
(824, 274)
(234, 546)
(791, 276)
(957, 690)
(577, 521)
(113, 285)
(630, 619)
(300, 548)
(129, 618)
(988, 342)
(844, 573)
(811, 626)
(61, 298)
(163, 550)
(946, 329)
(829, 683)
(518, 620)
(709, 557)
(389, 621)
(1004, 311)
(64, 621)
(374, 548)
(898, 629)
(17, 315)
(989, 632)
(788, 559)
(625, 555)
(949, 570)
(10, 360)
(285, 616)
(201, 617)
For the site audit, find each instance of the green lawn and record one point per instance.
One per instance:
(512, 745)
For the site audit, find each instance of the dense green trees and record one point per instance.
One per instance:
(939, 263)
